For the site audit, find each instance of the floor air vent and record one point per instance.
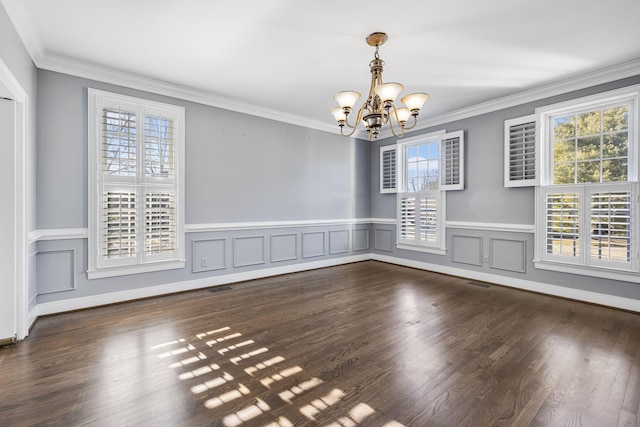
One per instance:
(481, 284)
(220, 289)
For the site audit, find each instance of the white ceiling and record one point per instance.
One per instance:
(288, 57)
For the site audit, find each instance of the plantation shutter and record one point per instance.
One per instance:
(388, 169)
(119, 228)
(589, 225)
(408, 217)
(159, 226)
(610, 221)
(562, 224)
(520, 157)
(428, 218)
(419, 216)
(452, 161)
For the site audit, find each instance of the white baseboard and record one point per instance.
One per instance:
(543, 288)
(32, 316)
(152, 291)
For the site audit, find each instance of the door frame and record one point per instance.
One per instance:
(24, 318)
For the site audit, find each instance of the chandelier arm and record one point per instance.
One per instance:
(353, 130)
(395, 115)
(415, 122)
(358, 118)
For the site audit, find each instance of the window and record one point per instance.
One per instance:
(429, 165)
(587, 205)
(136, 157)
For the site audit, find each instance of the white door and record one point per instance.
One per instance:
(8, 304)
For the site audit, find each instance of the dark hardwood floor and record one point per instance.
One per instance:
(364, 344)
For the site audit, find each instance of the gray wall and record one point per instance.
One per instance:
(17, 59)
(238, 168)
(486, 200)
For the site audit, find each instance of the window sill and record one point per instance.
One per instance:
(134, 269)
(426, 249)
(603, 273)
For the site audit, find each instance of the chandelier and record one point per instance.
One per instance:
(379, 108)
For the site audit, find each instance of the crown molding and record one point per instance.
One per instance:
(34, 46)
(109, 75)
(20, 18)
(558, 87)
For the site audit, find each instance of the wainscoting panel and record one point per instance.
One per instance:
(284, 247)
(360, 239)
(510, 255)
(209, 255)
(248, 251)
(383, 240)
(313, 244)
(466, 249)
(338, 241)
(54, 271)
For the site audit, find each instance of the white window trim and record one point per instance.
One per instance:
(440, 247)
(96, 269)
(545, 173)
(545, 131)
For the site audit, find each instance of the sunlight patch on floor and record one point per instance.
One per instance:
(242, 390)
(263, 365)
(246, 414)
(287, 395)
(318, 405)
(203, 370)
(211, 384)
(280, 376)
(311, 408)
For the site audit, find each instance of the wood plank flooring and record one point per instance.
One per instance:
(364, 344)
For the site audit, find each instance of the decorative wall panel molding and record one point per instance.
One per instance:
(466, 249)
(55, 271)
(284, 247)
(338, 241)
(208, 255)
(313, 244)
(383, 240)
(360, 239)
(248, 250)
(507, 254)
